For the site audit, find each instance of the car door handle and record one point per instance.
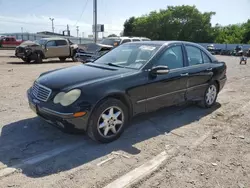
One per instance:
(184, 74)
(209, 69)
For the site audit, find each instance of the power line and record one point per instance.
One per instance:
(82, 12)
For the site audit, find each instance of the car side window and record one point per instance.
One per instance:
(134, 40)
(172, 57)
(61, 42)
(51, 43)
(126, 40)
(206, 59)
(194, 55)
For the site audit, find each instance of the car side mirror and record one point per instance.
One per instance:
(159, 70)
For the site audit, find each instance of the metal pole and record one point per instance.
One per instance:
(22, 32)
(95, 20)
(77, 30)
(52, 20)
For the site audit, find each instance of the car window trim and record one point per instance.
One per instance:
(164, 49)
(125, 42)
(61, 40)
(202, 52)
(50, 41)
(187, 54)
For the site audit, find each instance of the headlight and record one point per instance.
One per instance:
(66, 99)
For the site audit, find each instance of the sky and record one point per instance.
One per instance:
(33, 15)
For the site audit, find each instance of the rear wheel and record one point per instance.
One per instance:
(210, 96)
(62, 59)
(108, 121)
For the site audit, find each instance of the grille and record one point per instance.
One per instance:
(41, 92)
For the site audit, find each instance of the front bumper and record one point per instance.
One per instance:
(59, 119)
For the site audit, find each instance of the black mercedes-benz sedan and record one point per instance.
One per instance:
(101, 97)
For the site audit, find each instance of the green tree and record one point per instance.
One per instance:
(128, 27)
(185, 23)
(231, 34)
(112, 35)
(246, 35)
(174, 23)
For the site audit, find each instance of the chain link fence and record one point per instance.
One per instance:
(33, 36)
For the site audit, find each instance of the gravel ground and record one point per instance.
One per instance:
(213, 144)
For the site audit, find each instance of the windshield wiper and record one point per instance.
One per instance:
(114, 65)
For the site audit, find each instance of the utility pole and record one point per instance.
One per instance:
(95, 20)
(22, 32)
(68, 33)
(52, 20)
(77, 30)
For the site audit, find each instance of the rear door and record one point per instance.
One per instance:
(51, 49)
(63, 49)
(200, 71)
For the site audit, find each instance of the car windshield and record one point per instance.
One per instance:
(129, 55)
(112, 42)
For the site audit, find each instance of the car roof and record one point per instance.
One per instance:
(124, 37)
(156, 42)
(54, 38)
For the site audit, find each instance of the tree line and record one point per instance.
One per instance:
(186, 23)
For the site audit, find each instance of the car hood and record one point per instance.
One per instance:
(93, 47)
(29, 44)
(64, 78)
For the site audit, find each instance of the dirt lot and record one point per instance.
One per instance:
(212, 147)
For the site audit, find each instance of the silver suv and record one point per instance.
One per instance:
(116, 41)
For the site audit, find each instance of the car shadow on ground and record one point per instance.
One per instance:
(40, 137)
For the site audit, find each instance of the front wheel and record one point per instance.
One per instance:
(38, 58)
(74, 58)
(210, 96)
(26, 60)
(108, 121)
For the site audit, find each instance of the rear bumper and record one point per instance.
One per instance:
(59, 119)
(222, 83)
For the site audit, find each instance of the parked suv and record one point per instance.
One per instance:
(46, 48)
(116, 41)
(90, 52)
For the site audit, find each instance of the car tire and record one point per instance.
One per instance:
(74, 59)
(26, 60)
(106, 125)
(62, 59)
(210, 96)
(38, 58)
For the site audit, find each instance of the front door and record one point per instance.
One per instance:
(169, 89)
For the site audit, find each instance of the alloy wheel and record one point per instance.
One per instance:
(110, 121)
(211, 94)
